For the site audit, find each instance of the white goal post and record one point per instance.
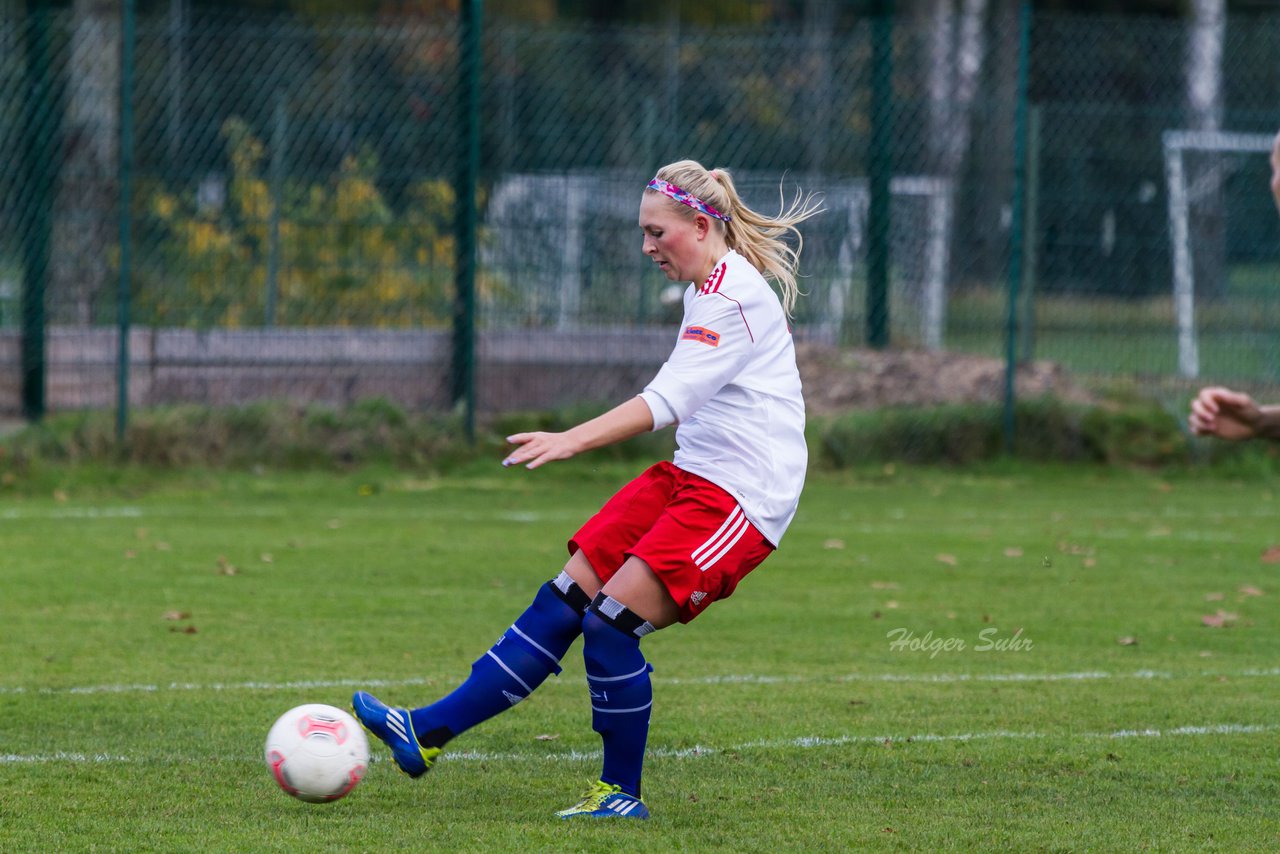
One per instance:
(1181, 197)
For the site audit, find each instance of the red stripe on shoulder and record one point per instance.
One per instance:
(712, 284)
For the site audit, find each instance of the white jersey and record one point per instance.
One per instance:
(732, 386)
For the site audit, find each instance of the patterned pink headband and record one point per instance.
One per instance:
(686, 198)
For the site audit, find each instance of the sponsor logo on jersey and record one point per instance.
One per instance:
(701, 333)
(696, 599)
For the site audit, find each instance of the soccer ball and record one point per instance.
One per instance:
(317, 753)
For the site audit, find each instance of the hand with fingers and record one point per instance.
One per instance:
(539, 448)
(1231, 415)
(622, 422)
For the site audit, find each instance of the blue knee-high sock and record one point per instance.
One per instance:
(621, 697)
(525, 655)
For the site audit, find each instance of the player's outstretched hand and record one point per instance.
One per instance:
(539, 448)
(1224, 413)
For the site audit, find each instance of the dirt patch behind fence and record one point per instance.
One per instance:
(838, 380)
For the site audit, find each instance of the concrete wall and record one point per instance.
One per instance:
(517, 369)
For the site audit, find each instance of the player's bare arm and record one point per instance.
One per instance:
(1232, 415)
(618, 424)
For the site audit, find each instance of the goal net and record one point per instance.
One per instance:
(1197, 166)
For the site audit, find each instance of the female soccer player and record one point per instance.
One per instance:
(682, 534)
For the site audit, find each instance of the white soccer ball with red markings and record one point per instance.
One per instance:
(317, 753)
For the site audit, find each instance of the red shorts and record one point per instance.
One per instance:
(689, 531)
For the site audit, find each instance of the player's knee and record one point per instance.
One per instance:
(569, 592)
(609, 612)
(580, 571)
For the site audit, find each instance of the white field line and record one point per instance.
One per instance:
(698, 751)
(725, 679)
(216, 687)
(54, 514)
(1138, 527)
(20, 513)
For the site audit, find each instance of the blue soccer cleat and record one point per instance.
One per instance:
(605, 800)
(394, 728)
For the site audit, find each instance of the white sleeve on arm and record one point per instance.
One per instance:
(715, 342)
(662, 414)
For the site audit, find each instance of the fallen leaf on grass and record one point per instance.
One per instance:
(949, 560)
(547, 736)
(183, 630)
(1221, 620)
(225, 567)
(1013, 551)
(177, 615)
(884, 585)
(1250, 590)
(1271, 554)
(1214, 597)
(1127, 641)
(833, 544)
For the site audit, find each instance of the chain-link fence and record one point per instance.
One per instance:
(292, 182)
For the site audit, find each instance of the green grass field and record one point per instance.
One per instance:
(1053, 685)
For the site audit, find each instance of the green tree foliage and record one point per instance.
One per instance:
(346, 258)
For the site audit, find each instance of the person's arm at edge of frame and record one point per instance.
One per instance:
(1268, 426)
(618, 424)
(1232, 415)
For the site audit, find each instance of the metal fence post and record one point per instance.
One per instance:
(466, 183)
(40, 152)
(879, 167)
(1015, 236)
(127, 36)
(1031, 236)
(279, 142)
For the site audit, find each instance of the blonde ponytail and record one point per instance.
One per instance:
(755, 236)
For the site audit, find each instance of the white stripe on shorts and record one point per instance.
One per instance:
(706, 555)
(741, 529)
